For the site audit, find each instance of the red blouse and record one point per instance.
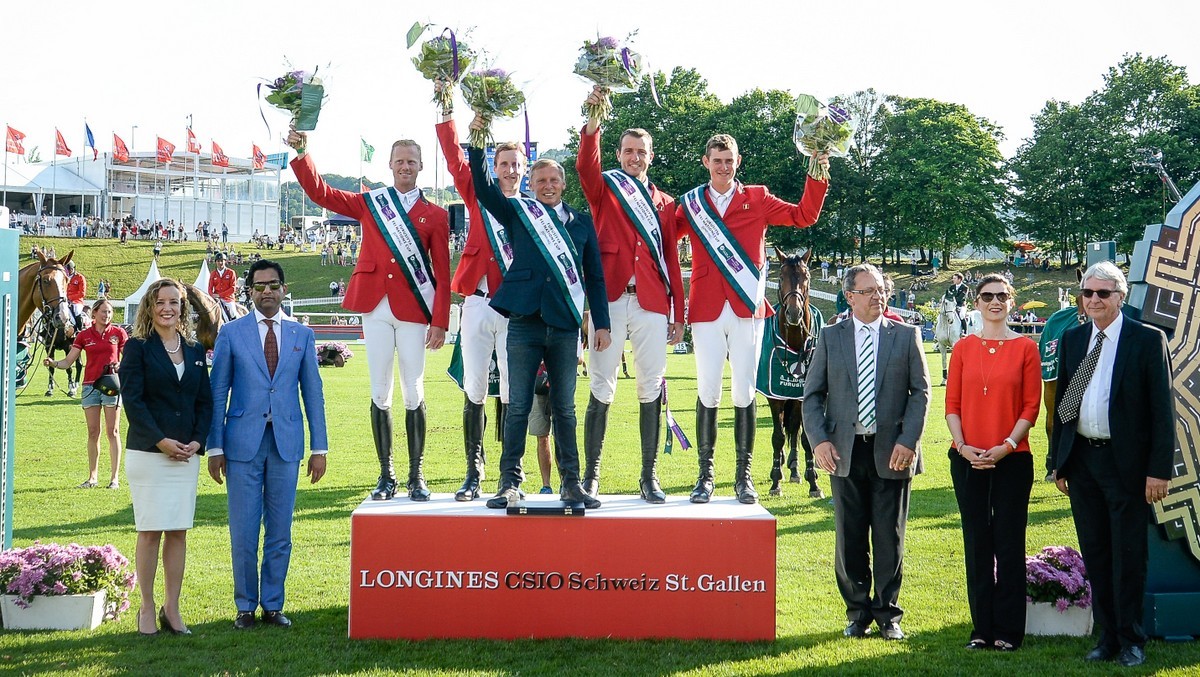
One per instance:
(990, 391)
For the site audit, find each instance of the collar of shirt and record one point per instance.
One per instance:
(560, 210)
(279, 316)
(407, 200)
(721, 200)
(1093, 409)
(875, 326)
(1111, 333)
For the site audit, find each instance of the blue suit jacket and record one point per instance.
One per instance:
(244, 392)
(157, 403)
(528, 288)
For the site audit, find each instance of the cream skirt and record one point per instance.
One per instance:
(164, 491)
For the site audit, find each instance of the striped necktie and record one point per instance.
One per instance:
(866, 380)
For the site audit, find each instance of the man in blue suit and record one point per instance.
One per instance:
(263, 364)
(542, 296)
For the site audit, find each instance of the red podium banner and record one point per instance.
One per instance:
(630, 570)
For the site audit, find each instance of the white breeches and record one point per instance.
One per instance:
(387, 338)
(729, 337)
(647, 331)
(481, 331)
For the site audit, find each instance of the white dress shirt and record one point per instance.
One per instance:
(860, 337)
(407, 200)
(1093, 410)
(721, 200)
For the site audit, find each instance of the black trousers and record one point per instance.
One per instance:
(870, 513)
(1113, 524)
(994, 507)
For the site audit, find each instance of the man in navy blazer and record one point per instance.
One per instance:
(542, 326)
(257, 437)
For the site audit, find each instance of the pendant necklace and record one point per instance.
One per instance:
(991, 351)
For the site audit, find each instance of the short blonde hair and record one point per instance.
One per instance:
(547, 162)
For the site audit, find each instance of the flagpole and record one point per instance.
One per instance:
(5, 203)
(54, 176)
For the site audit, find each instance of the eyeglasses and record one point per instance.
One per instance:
(989, 296)
(1102, 293)
(274, 285)
(874, 291)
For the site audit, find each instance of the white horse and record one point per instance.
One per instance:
(946, 332)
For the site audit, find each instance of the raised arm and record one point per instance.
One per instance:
(486, 191)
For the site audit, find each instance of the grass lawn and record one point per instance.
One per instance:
(50, 461)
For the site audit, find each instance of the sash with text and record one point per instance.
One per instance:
(747, 281)
(401, 237)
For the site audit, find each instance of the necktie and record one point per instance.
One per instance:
(866, 380)
(271, 348)
(1068, 409)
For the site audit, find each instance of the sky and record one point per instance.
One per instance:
(154, 64)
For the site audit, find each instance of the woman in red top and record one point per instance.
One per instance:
(993, 396)
(103, 343)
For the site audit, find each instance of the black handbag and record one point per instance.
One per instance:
(109, 383)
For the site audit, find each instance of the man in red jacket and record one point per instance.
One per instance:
(76, 291)
(401, 285)
(222, 286)
(727, 222)
(635, 223)
(485, 258)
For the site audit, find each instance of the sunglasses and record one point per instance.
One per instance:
(1102, 293)
(274, 285)
(988, 296)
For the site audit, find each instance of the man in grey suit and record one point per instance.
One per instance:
(865, 400)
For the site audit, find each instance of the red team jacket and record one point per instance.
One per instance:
(623, 253)
(377, 272)
(76, 288)
(221, 285)
(477, 259)
(750, 211)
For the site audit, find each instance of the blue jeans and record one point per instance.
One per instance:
(531, 342)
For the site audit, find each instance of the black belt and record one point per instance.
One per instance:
(865, 439)
(480, 293)
(1095, 441)
(631, 289)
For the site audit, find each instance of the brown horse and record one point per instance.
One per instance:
(796, 326)
(209, 317)
(42, 287)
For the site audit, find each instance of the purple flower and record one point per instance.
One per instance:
(607, 42)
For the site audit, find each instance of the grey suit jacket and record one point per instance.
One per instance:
(901, 394)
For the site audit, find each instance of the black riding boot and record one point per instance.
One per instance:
(473, 423)
(595, 424)
(650, 422)
(744, 422)
(414, 429)
(381, 429)
(706, 437)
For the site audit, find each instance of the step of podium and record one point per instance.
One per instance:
(629, 569)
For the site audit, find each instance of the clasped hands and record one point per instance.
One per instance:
(983, 459)
(826, 457)
(176, 450)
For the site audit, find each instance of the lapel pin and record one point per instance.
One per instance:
(746, 206)
(422, 220)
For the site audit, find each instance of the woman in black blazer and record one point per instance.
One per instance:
(168, 403)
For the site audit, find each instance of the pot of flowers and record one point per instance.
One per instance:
(1058, 595)
(334, 353)
(63, 587)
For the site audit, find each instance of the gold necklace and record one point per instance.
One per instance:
(992, 350)
(988, 376)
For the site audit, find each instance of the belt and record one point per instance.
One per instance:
(631, 289)
(1095, 441)
(481, 293)
(866, 439)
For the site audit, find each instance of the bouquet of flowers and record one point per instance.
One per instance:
(822, 128)
(54, 569)
(491, 94)
(300, 94)
(1057, 576)
(443, 58)
(334, 353)
(606, 62)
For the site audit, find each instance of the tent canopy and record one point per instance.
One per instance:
(132, 301)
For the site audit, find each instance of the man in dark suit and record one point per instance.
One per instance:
(542, 296)
(1112, 447)
(263, 365)
(865, 400)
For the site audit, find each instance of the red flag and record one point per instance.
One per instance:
(14, 140)
(219, 158)
(260, 160)
(193, 145)
(166, 150)
(60, 144)
(120, 152)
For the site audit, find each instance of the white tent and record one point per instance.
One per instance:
(132, 301)
(201, 282)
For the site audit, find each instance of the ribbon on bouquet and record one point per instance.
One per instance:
(672, 426)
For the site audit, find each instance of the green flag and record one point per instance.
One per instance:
(368, 151)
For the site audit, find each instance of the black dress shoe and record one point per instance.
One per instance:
(855, 629)
(503, 497)
(1102, 652)
(1131, 657)
(574, 493)
(166, 624)
(276, 618)
(891, 631)
(244, 620)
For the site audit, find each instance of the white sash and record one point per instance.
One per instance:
(401, 237)
(498, 239)
(739, 270)
(635, 200)
(552, 240)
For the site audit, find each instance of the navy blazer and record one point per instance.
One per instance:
(528, 287)
(157, 403)
(1141, 406)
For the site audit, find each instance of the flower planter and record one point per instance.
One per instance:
(54, 612)
(1044, 619)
